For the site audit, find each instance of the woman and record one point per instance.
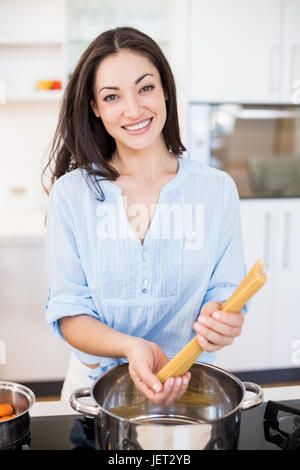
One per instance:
(142, 244)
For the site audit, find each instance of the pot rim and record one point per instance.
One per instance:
(25, 391)
(210, 366)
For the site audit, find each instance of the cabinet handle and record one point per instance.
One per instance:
(286, 236)
(272, 68)
(267, 240)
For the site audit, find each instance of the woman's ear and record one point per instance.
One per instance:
(94, 108)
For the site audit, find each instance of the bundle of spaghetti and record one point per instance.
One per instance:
(182, 362)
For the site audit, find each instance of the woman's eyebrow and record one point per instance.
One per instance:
(136, 82)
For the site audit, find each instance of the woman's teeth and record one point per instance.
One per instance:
(138, 126)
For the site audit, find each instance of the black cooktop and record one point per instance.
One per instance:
(258, 426)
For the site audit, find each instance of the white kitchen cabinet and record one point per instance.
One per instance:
(33, 353)
(244, 51)
(290, 90)
(234, 50)
(285, 327)
(271, 231)
(251, 350)
(26, 133)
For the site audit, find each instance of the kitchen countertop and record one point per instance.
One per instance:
(57, 408)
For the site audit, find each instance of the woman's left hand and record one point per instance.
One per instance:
(215, 328)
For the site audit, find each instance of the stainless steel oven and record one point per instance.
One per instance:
(258, 145)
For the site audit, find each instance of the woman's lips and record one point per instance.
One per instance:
(141, 130)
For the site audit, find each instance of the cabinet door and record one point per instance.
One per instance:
(234, 50)
(33, 353)
(251, 350)
(291, 52)
(285, 325)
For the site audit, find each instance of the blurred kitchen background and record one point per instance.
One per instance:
(237, 70)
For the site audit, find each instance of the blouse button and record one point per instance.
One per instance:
(144, 291)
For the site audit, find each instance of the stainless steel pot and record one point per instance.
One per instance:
(207, 417)
(15, 429)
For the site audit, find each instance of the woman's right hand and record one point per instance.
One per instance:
(145, 360)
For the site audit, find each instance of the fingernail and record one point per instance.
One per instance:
(178, 381)
(185, 381)
(198, 327)
(216, 315)
(156, 388)
(171, 382)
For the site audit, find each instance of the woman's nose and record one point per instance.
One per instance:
(132, 107)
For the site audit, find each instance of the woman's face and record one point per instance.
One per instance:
(130, 100)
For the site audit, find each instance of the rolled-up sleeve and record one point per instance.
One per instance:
(230, 268)
(68, 292)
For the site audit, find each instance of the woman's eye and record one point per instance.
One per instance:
(110, 98)
(114, 97)
(147, 88)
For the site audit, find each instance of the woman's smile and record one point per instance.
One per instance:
(138, 128)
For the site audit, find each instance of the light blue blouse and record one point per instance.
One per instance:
(97, 266)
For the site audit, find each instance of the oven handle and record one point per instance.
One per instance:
(87, 409)
(252, 401)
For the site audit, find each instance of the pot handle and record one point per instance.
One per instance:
(252, 401)
(90, 410)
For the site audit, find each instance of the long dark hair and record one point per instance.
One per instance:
(80, 139)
